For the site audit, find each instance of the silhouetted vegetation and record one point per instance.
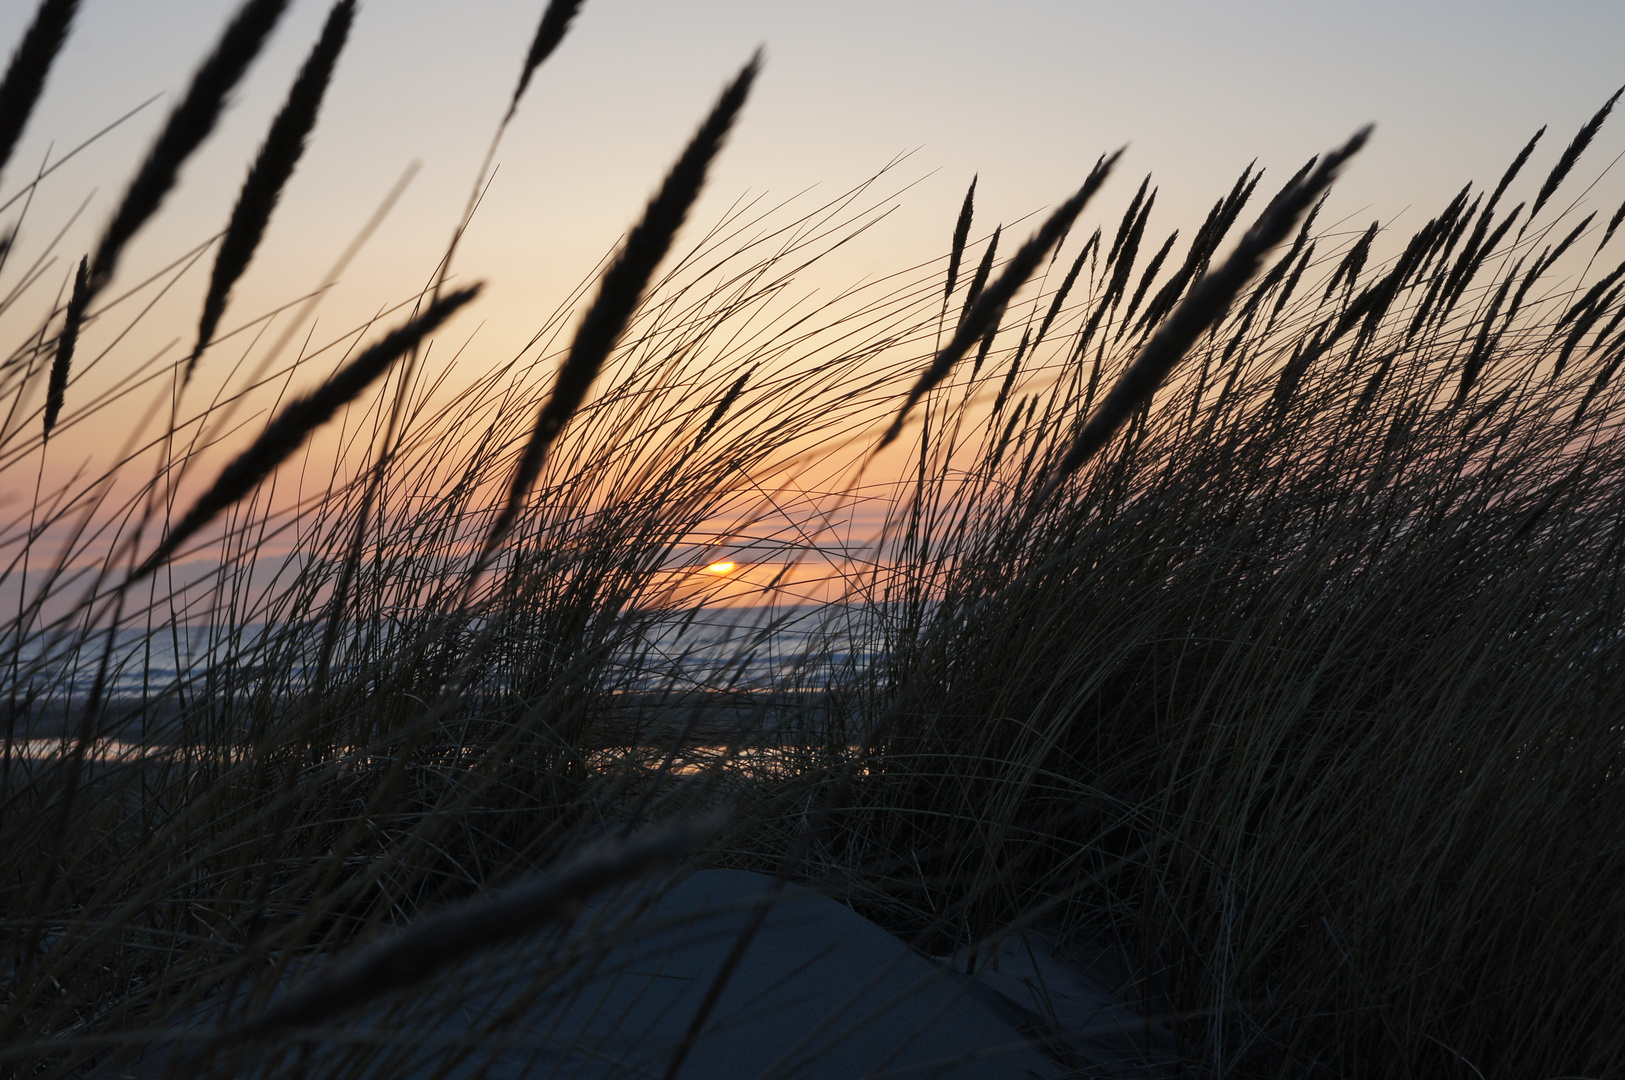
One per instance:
(1255, 606)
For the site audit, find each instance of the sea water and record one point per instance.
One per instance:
(742, 648)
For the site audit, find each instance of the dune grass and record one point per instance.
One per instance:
(1249, 609)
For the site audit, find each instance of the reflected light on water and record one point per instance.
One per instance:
(117, 751)
(760, 760)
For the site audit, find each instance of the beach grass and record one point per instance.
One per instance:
(1249, 611)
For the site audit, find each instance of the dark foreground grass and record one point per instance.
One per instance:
(1253, 607)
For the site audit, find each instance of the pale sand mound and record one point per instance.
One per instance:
(821, 994)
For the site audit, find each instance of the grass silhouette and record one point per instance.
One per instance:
(1249, 610)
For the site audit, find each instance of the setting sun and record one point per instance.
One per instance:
(720, 567)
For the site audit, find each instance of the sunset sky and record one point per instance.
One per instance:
(1026, 93)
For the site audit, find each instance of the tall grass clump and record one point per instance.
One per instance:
(1303, 688)
(1245, 609)
(447, 671)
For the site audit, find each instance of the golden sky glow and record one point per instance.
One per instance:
(1025, 93)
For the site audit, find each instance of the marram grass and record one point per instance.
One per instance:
(1248, 608)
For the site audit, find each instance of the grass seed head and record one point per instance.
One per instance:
(550, 32)
(30, 64)
(191, 122)
(278, 157)
(62, 363)
(621, 290)
(301, 416)
(1572, 152)
(989, 307)
(956, 251)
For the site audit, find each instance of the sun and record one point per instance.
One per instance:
(720, 567)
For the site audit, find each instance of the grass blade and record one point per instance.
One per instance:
(299, 418)
(1349, 269)
(1128, 253)
(1213, 231)
(979, 281)
(1206, 303)
(1130, 216)
(990, 305)
(1066, 287)
(622, 289)
(1146, 279)
(1514, 169)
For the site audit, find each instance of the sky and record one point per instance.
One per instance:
(1025, 94)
